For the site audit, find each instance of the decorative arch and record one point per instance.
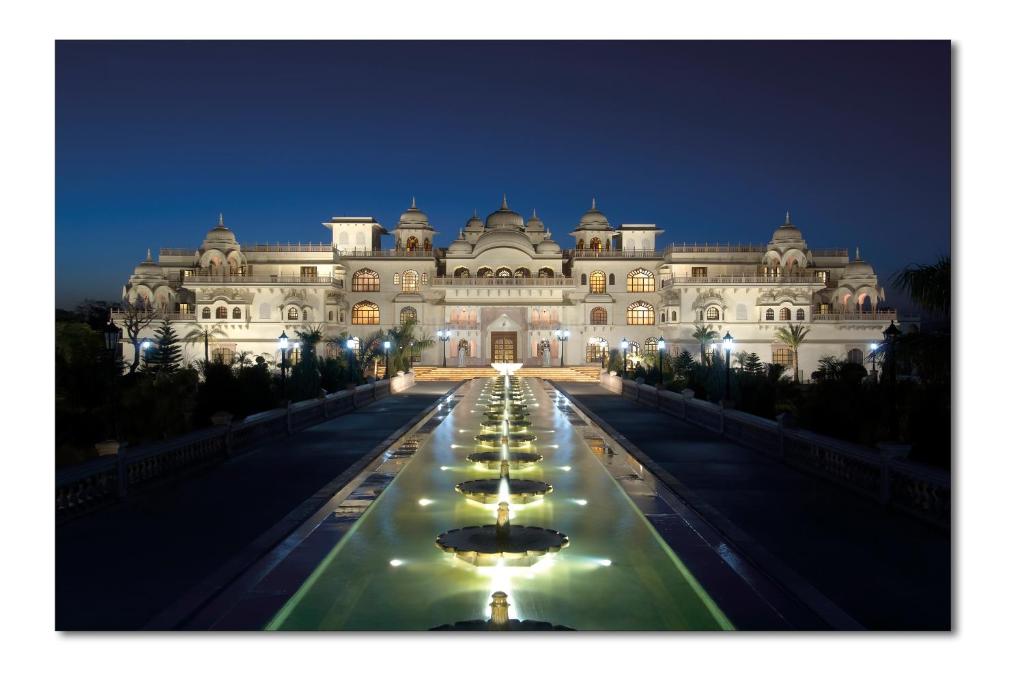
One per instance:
(713, 313)
(785, 313)
(461, 272)
(640, 313)
(365, 280)
(410, 281)
(485, 272)
(521, 272)
(503, 272)
(366, 313)
(599, 316)
(651, 345)
(412, 244)
(545, 272)
(769, 314)
(639, 280)
(221, 313)
(598, 282)
(408, 313)
(595, 243)
(236, 313)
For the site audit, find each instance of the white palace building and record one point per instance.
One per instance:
(505, 287)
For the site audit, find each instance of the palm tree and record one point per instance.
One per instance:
(310, 338)
(929, 286)
(203, 333)
(243, 358)
(405, 346)
(793, 336)
(705, 335)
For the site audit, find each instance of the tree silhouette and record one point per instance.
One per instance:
(705, 335)
(167, 354)
(793, 336)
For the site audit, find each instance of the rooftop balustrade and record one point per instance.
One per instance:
(269, 278)
(559, 281)
(742, 279)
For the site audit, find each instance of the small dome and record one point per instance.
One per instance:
(413, 218)
(460, 246)
(858, 268)
(148, 268)
(220, 235)
(549, 246)
(593, 219)
(787, 232)
(474, 223)
(505, 218)
(535, 224)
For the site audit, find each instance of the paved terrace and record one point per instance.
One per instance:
(885, 569)
(119, 568)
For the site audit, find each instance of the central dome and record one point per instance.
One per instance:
(505, 218)
(413, 217)
(593, 219)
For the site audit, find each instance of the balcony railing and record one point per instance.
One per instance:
(289, 247)
(856, 315)
(716, 248)
(830, 252)
(119, 314)
(741, 279)
(168, 251)
(392, 253)
(203, 278)
(502, 281)
(612, 253)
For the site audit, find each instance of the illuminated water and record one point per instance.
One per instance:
(387, 574)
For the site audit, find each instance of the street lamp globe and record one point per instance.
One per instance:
(661, 343)
(387, 345)
(146, 343)
(874, 346)
(350, 343)
(282, 341)
(727, 341)
(624, 344)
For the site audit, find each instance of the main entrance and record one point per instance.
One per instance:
(503, 347)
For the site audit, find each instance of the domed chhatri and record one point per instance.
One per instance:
(512, 544)
(517, 491)
(593, 219)
(516, 460)
(500, 620)
(504, 218)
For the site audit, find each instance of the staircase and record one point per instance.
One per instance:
(578, 373)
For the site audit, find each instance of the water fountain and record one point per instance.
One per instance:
(513, 545)
(500, 620)
(517, 491)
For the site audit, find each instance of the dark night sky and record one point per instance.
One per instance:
(711, 141)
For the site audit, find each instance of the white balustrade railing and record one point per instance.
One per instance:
(883, 473)
(502, 281)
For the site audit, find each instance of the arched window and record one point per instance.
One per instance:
(583, 279)
(222, 313)
(305, 314)
(611, 279)
(785, 314)
(365, 280)
(485, 272)
(663, 316)
(769, 314)
(410, 281)
(461, 272)
(595, 243)
(236, 313)
(855, 356)
(330, 316)
(800, 315)
(206, 313)
(366, 313)
(640, 280)
(580, 245)
(713, 313)
(674, 316)
(412, 244)
(741, 311)
(293, 313)
(597, 282)
(503, 272)
(599, 316)
(640, 313)
(406, 314)
(650, 345)
(522, 272)
(545, 272)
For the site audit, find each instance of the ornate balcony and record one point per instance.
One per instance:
(558, 281)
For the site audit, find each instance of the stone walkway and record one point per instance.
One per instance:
(120, 567)
(886, 570)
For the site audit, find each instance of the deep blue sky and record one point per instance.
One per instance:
(713, 141)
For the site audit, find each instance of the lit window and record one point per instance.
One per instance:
(597, 282)
(503, 272)
(699, 271)
(651, 345)
(782, 355)
(595, 243)
(640, 280)
(412, 244)
(595, 349)
(407, 314)
(293, 313)
(713, 313)
(599, 316)
(785, 314)
(236, 313)
(366, 313)
(640, 313)
(365, 280)
(222, 313)
(308, 272)
(821, 275)
(410, 281)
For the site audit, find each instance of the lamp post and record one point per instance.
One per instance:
(282, 343)
(111, 335)
(444, 336)
(350, 344)
(562, 335)
(727, 343)
(624, 344)
(661, 360)
(891, 333)
(387, 358)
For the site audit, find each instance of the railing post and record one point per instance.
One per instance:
(890, 451)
